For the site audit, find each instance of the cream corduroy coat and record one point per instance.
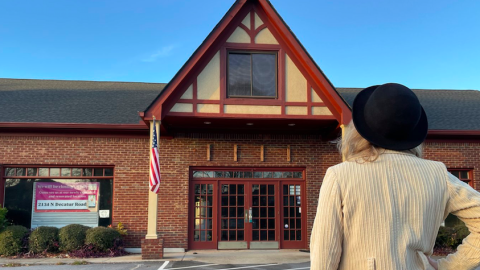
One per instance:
(385, 215)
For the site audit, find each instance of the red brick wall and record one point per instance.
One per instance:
(313, 154)
(456, 156)
(128, 155)
(130, 158)
(178, 154)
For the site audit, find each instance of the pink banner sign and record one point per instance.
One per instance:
(66, 197)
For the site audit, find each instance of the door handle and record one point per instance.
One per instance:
(246, 216)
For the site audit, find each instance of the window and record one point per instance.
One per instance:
(58, 196)
(248, 174)
(464, 175)
(252, 74)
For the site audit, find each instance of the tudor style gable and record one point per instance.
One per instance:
(250, 67)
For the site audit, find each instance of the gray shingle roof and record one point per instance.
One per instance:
(56, 101)
(446, 109)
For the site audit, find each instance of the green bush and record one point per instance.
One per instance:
(102, 238)
(451, 237)
(11, 240)
(3, 219)
(72, 237)
(43, 239)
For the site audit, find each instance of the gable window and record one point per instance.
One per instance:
(252, 74)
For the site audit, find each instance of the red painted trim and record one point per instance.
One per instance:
(252, 26)
(249, 168)
(305, 64)
(252, 23)
(248, 182)
(202, 101)
(288, 244)
(253, 116)
(73, 130)
(72, 126)
(281, 78)
(223, 78)
(71, 134)
(260, 28)
(256, 47)
(461, 136)
(64, 165)
(197, 61)
(252, 101)
(218, 37)
(455, 132)
(2, 187)
(267, 102)
(191, 218)
(195, 95)
(309, 98)
(248, 31)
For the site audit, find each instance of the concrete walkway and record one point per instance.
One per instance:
(205, 256)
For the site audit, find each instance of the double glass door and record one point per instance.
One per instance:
(246, 214)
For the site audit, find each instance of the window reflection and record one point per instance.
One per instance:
(247, 174)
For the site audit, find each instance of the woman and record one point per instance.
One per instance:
(381, 209)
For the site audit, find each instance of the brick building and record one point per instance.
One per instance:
(246, 129)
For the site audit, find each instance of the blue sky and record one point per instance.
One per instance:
(422, 43)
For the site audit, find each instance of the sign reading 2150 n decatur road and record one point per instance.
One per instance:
(65, 197)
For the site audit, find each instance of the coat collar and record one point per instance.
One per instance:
(394, 152)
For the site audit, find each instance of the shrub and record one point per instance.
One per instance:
(11, 240)
(3, 219)
(102, 238)
(451, 237)
(72, 237)
(43, 239)
(121, 229)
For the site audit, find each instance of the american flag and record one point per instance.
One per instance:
(154, 163)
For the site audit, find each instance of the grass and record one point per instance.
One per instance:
(60, 263)
(79, 263)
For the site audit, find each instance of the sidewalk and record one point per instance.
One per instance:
(206, 256)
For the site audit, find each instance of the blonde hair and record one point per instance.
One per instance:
(354, 147)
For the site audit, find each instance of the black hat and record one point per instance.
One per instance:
(390, 116)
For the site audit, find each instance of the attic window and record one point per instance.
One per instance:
(252, 74)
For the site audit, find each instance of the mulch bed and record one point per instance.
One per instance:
(85, 252)
(443, 251)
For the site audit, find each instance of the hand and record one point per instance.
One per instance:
(433, 263)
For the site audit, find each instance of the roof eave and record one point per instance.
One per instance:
(140, 126)
(197, 54)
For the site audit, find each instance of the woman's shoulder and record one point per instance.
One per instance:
(385, 160)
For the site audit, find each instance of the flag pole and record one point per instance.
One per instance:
(152, 196)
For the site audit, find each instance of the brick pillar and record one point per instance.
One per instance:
(152, 249)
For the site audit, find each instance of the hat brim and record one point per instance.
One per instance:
(415, 138)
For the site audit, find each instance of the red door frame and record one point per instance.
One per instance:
(246, 204)
(191, 220)
(303, 206)
(276, 183)
(279, 182)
